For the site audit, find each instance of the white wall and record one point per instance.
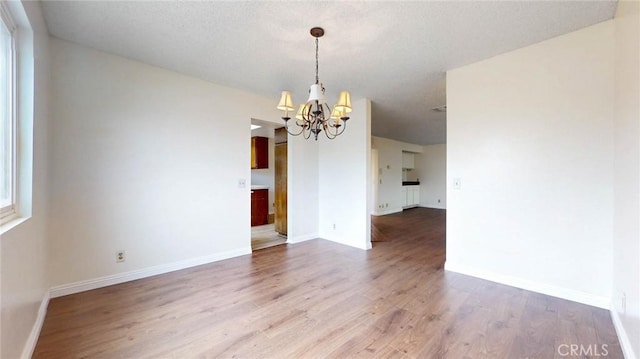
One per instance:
(626, 235)
(529, 133)
(389, 187)
(344, 177)
(431, 169)
(145, 160)
(24, 248)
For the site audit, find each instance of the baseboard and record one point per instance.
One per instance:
(554, 291)
(302, 238)
(387, 211)
(365, 246)
(105, 281)
(30, 345)
(410, 207)
(623, 338)
(434, 207)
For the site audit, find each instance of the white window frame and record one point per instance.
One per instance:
(10, 212)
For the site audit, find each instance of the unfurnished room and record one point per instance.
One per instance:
(319, 179)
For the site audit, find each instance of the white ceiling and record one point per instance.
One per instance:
(394, 53)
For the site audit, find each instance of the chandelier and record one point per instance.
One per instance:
(315, 115)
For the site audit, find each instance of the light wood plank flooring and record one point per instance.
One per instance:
(319, 299)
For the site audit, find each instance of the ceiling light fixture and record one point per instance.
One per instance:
(315, 115)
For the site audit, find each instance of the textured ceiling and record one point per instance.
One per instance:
(394, 53)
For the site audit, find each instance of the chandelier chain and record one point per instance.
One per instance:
(317, 78)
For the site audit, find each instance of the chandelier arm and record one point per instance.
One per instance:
(313, 126)
(305, 117)
(326, 123)
(344, 127)
(340, 127)
(306, 132)
(328, 109)
(327, 130)
(328, 135)
(286, 127)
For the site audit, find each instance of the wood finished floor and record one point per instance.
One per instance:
(319, 299)
(266, 236)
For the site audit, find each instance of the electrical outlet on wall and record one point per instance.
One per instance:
(120, 256)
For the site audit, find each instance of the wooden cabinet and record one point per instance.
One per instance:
(259, 152)
(259, 207)
(281, 181)
(280, 136)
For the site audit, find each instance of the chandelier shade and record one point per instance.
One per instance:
(315, 115)
(286, 102)
(344, 102)
(300, 110)
(337, 113)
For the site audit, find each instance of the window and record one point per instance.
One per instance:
(7, 117)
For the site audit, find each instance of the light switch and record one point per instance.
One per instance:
(457, 183)
(242, 183)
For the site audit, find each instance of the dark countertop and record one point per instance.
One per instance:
(410, 183)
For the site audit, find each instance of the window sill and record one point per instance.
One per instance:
(11, 224)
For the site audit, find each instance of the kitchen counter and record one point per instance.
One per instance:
(410, 183)
(256, 187)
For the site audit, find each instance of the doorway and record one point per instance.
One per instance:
(404, 177)
(268, 209)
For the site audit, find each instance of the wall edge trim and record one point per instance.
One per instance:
(388, 211)
(623, 337)
(105, 281)
(32, 340)
(302, 238)
(538, 287)
(366, 246)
